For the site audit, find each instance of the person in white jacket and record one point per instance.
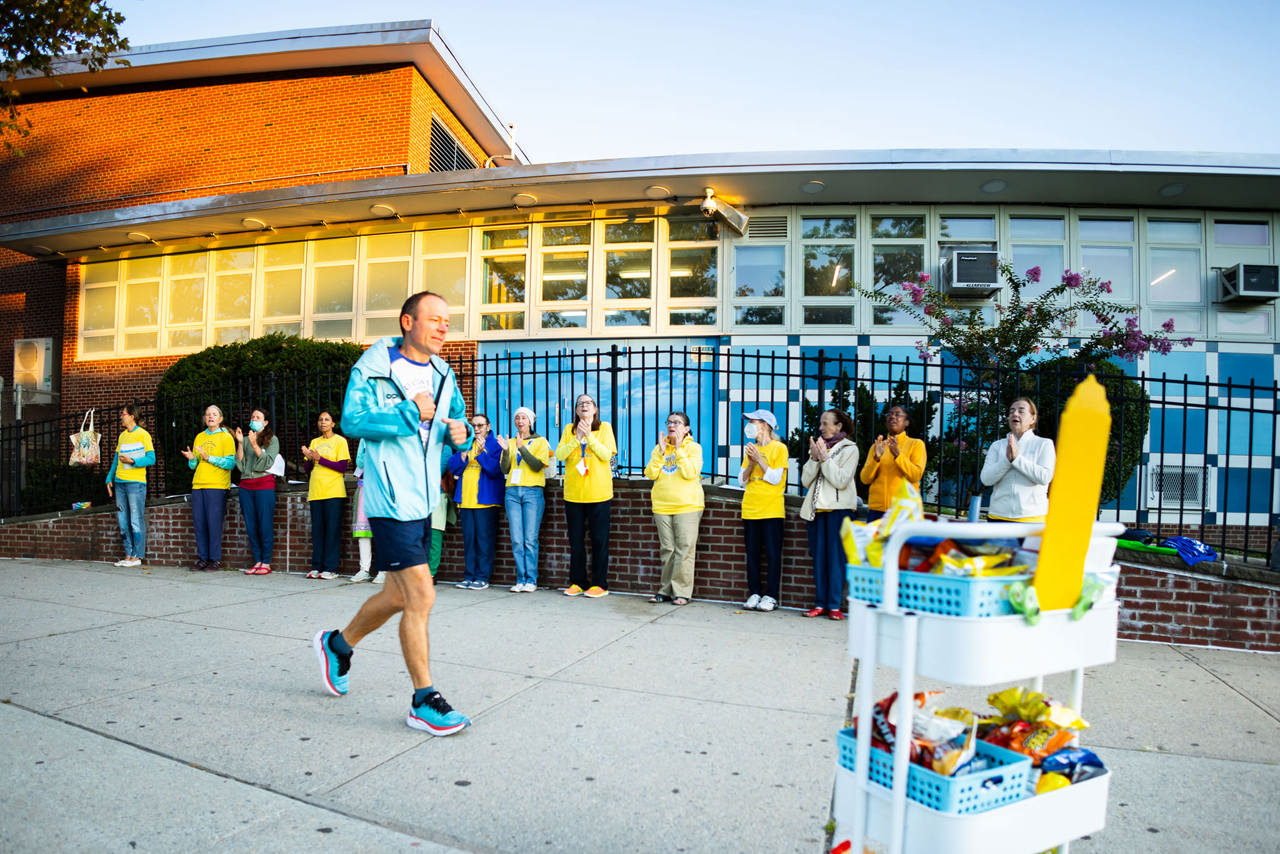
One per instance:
(829, 475)
(1019, 468)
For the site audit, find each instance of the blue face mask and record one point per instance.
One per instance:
(256, 426)
(750, 431)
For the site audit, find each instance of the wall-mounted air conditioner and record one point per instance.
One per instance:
(1250, 282)
(33, 364)
(969, 272)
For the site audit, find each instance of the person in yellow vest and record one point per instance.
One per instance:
(764, 476)
(525, 458)
(675, 467)
(327, 459)
(212, 460)
(127, 483)
(478, 494)
(893, 459)
(587, 449)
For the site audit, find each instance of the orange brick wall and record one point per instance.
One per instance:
(1162, 605)
(32, 297)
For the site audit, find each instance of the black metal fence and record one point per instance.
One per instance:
(1186, 456)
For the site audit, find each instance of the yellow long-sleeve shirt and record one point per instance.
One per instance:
(597, 483)
(884, 475)
(677, 478)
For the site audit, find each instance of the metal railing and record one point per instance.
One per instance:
(1202, 466)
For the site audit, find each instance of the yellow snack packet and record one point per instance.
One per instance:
(905, 507)
(856, 537)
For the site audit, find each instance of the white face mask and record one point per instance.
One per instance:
(750, 431)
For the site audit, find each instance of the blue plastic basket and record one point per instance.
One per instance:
(980, 791)
(937, 594)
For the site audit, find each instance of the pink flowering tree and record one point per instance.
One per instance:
(1036, 347)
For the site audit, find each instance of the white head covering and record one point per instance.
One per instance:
(533, 416)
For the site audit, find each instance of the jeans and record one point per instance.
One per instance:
(479, 534)
(764, 543)
(524, 517)
(258, 507)
(131, 514)
(208, 509)
(582, 519)
(829, 558)
(326, 533)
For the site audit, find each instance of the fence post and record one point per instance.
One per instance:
(614, 355)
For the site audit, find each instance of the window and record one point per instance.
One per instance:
(233, 294)
(760, 285)
(1038, 241)
(1174, 263)
(829, 247)
(283, 272)
(897, 256)
(628, 273)
(334, 288)
(692, 293)
(1107, 252)
(444, 271)
(185, 290)
(504, 257)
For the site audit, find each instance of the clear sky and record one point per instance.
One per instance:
(586, 80)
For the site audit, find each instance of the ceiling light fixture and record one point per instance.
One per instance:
(812, 187)
(524, 200)
(657, 191)
(1171, 190)
(139, 237)
(995, 185)
(253, 222)
(41, 249)
(383, 210)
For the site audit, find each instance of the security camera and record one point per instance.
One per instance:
(709, 206)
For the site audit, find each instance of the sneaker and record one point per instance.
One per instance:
(753, 602)
(573, 590)
(479, 585)
(362, 575)
(517, 588)
(315, 573)
(197, 565)
(436, 716)
(212, 566)
(767, 603)
(380, 578)
(464, 584)
(328, 576)
(530, 587)
(595, 592)
(129, 561)
(333, 666)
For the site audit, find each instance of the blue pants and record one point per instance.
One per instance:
(258, 506)
(763, 539)
(524, 517)
(828, 558)
(208, 509)
(479, 534)
(326, 534)
(131, 514)
(582, 519)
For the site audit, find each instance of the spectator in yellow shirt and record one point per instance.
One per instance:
(212, 459)
(587, 448)
(675, 467)
(892, 460)
(764, 477)
(327, 459)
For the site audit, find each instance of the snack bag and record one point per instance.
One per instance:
(855, 537)
(905, 507)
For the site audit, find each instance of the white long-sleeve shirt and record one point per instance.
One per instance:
(1021, 487)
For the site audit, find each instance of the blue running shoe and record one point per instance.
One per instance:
(436, 716)
(333, 666)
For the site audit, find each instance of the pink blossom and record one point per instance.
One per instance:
(1105, 287)
(1033, 275)
(924, 278)
(1167, 326)
(1072, 280)
(947, 321)
(1187, 342)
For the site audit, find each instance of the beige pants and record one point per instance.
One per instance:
(677, 544)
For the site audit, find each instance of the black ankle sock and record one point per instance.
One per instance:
(420, 695)
(339, 644)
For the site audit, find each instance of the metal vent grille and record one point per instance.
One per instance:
(1177, 486)
(767, 228)
(447, 154)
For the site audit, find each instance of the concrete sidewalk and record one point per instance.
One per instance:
(161, 710)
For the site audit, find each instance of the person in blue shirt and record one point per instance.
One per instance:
(404, 404)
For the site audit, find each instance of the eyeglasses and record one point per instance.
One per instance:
(479, 424)
(676, 422)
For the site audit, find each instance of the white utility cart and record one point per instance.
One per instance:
(974, 651)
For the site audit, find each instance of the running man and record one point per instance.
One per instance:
(404, 404)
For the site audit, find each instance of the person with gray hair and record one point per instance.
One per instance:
(526, 457)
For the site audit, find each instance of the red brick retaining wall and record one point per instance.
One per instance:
(1164, 604)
